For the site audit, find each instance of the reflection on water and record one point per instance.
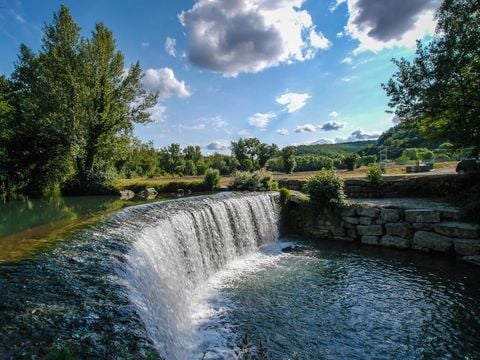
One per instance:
(29, 225)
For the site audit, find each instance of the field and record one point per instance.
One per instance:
(394, 170)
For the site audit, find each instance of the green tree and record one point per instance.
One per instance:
(172, 160)
(351, 161)
(288, 157)
(438, 91)
(265, 153)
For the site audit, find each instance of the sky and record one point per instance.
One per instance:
(289, 72)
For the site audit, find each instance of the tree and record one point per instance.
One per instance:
(439, 91)
(193, 153)
(265, 153)
(171, 159)
(351, 161)
(6, 112)
(288, 157)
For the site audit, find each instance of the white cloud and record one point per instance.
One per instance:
(282, 132)
(145, 44)
(336, 4)
(157, 113)
(163, 80)
(348, 60)
(261, 120)
(359, 135)
(293, 101)
(305, 128)
(348, 78)
(248, 36)
(170, 44)
(334, 114)
(331, 126)
(322, 142)
(390, 23)
(218, 145)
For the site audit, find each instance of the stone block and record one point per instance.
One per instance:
(375, 230)
(422, 216)
(370, 240)
(389, 215)
(337, 230)
(352, 233)
(458, 229)
(466, 246)
(343, 238)
(425, 240)
(365, 220)
(423, 226)
(403, 230)
(395, 241)
(451, 214)
(351, 220)
(349, 211)
(369, 212)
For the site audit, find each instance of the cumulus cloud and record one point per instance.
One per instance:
(163, 80)
(323, 142)
(331, 126)
(248, 36)
(170, 44)
(359, 135)
(305, 128)
(261, 120)
(218, 145)
(395, 119)
(157, 113)
(334, 114)
(389, 23)
(293, 101)
(282, 132)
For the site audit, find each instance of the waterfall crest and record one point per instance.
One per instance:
(177, 245)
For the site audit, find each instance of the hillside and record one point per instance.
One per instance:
(332, 149)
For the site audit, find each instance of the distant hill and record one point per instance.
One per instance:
(332, 149)
(399, 138)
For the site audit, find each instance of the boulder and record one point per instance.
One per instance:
(425, 240)
(147, 194)
(369, 212)
(126, 194)
(422, 216)
(395, 241)
(375, 230)
(458, 229)
(370, 240)
(389, 215)
(466, 246)
(403, 230)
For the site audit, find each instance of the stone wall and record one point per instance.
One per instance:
(401, 223)
(398, 187)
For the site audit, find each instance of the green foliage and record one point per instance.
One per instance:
(438, 91)
(285, 195)
(352, 161)
(211, 179)
(375, 175)
(368, 160)
(252, 154)
(333, 150)
(288, 158)
(64, 353)
(326, 190)
(259, 180)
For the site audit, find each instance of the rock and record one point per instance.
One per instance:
(403, 230)
(458, 229)
(370, 240)
(349, 211)
(343, 238)
(422, 216)
(395, 241)
(337, 230)
(348, 226)
(294, 249)
(126, 194)
(376, 230)
(351, 220)
(473, 259)
(365, 220)
(389, 215)
(424, 240)
(423, 226)
(147, 194)
(222, 188)
(369, 212)
(466, 246)
(451, 214)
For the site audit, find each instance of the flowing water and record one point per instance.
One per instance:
(206, 278)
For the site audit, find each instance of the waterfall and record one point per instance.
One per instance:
(177, 245)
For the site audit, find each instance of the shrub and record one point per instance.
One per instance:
(375, 175)
(326, 190)
(259, 180)
(351, 162)
(211, 179)
(285, 195)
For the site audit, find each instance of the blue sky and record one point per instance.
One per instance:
(285, 71)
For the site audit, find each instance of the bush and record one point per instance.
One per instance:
(285, 195)
(326, 190)
(259, 180)
(351, 162)
(211, 179)
(375, 175)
